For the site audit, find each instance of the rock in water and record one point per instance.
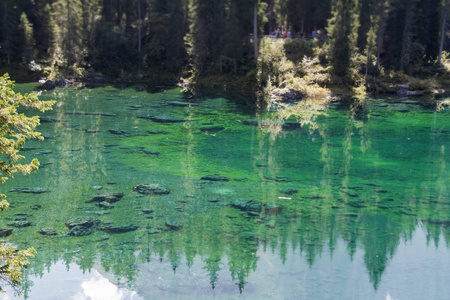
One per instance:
(30, 190)
(150, 152)
(174, 224)
(215, 177)
(118, 229)
(47, 231)
(151, 189)
(19, 223)
(246, 205)
(82, 226)
(272, 208)
(164, 119)
(5, 232)
(83, 221)
(211, 128)
(108, 197)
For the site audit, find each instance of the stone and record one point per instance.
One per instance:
(272, 208)
(21, 223)
(211, 128)
(81, 231)
(174, 224)
(181, 104)
(246, 205)
(117, 131)
(215, 177)
(151, 189)
(44, 152)
(107, 197)
(148, 211)
(118, 229)
(289, 191)
(150, 152)
(96, 187)
(89, 113)
(163, 119)
(45, 119)
(82, 222)
(36, 206)
(4, 232)
(105, 205)
(154, 131)
(30, 190)
(47, 231)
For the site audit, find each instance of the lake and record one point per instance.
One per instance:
(150, 194)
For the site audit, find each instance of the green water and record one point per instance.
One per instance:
(363, 205)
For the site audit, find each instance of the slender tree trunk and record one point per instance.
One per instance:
(444, 21)
(380, 33)
(255, 29)
(68, 51)
(5, 31)
(139, 26)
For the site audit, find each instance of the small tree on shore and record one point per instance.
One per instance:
(15, 129)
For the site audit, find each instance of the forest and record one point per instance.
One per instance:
(357, 40)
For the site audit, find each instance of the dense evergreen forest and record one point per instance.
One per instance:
(195, 38)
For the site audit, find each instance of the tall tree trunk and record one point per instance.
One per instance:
(6, 31)
(255, 29)
(381, 27)
(444, 21)
(139, 26)
(406, 43)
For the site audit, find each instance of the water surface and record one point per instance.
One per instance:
(354, 203)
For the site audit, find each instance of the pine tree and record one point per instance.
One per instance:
(342, 30)
(67, 16)
(26, 29)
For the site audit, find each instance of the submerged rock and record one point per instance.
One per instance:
(182, 104)
(5, 232)
(155, 131)
(150, 152)
(30, 190)
(81, 231)
(174, 224)
(89, 113)
(272, 208)
(246, 205)
(286, 125)
(107, 197)
(105, 205)
(82, 222)
(22, 223)
(47, 231)
(45, 119)
(118, 229)
(289, 191)
(215, 177)
(151, 189)
(163, 119)
(211, 128)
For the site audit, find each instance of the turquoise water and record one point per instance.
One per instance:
(354, 204)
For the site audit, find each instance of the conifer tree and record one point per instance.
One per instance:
(26, 29)
(342, 30)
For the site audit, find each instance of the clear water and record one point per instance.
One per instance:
(367, 215)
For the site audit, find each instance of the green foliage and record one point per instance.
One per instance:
(15, 128)
(297, 49)
(342, 29)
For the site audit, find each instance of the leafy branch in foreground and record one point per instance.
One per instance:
(15, 129)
